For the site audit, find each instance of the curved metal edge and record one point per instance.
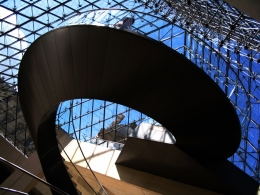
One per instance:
(49, 154)
(47, 146)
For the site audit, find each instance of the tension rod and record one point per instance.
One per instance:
(35, 177)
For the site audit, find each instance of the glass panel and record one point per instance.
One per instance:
(214, 35)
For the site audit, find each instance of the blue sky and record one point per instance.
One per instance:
(240, 81)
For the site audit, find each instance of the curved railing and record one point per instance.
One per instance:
(70, 63)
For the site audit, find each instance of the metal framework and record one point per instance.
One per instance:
(217, 37)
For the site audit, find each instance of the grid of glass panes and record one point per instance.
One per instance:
(214, 45)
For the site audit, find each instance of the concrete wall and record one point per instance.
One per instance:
(119, 179)
(18, 180)
(115, 178)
